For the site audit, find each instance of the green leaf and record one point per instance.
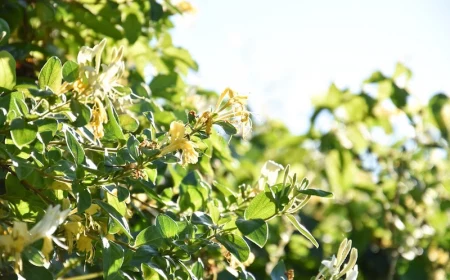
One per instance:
(82, 113)
(23, 133)
(228, 127)
(201, 218)
(121, 207)
(149, 236)
(34, 256)
(193, 197)
(279, 272)
(35, 272)
(13, 103)
(143, 254)
(256, 230)
(152, 272)
(316, 192)
(400, 96)
(99, 24)
(148, 187)
(113, 131)
(122, 91)
(3, 115)
(47, 129)
(236, 245)
(165, 86)
(45, 12)
(128, 123)
(51, 75)
(122, 193)
(187, 270)
(7, 70)
(262, 206)
(213, 212)
(84, 200)
(133, 147)
(436, 105)
(4, 32)
(182, 59)
(375, 77)
(166, 226)
(198, 269)
(75, 149)
(132, 28)
(70, 71)
(115, 216)
(112, 259)
(156, 10)
(402, 70)
(302, 229)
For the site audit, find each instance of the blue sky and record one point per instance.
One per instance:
(283, 52)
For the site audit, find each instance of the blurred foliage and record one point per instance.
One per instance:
(385, 156)
(137, 213)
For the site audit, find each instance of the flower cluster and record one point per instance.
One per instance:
(332, 268)
(234, 111)
(97, 79)
(97, 82)
(76, 231)
(178, 141)
(18, 237)
(99, 117)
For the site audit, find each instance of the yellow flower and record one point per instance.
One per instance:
(99, 117)
(94, 208)
(185, 7)
(19, 237)
(179, 142)
(234, 111)
(84, 244)
(47, 247)
(72, 231)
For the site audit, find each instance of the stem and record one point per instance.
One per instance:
(86, 276)
(28, 186)
(279, 252)
(86, 147)
(393, 265)
(72, 263)
(95, 237)
(51, 110)
(396, 201)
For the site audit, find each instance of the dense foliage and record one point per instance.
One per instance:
(112, 166)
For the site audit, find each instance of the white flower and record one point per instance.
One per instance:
(352, 274)
(331, 265)
(96, 79)
(49, 223)
(19, 236)
(270, 171)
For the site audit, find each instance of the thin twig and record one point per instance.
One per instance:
(30, 187)
(83, 277)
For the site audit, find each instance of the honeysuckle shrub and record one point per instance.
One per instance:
(106, 176)
(67, 143)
